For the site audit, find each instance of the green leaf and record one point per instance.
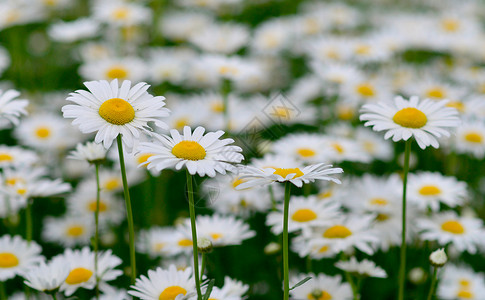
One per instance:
(209, 289)
(302, 282)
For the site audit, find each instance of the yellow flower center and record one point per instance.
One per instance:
(379, 201)
(43, 132)
(382, 217)
(474, 137)
(237, 182)
(11, 181)
(121, 13)
(8, 260)
(117, 111)
(117, 72)
(362, 49)
(430, 190)
(5, 157)
(453, 226)
(75, 231)
(21, 191)
(79, 275)
(217, 107)
(304, 215)
(365, 90)
(345, 113)
(185, 243)
(227, 70)
(323, 295)
(181, 123)
(337, 232)
(172, 292)
(102, 206)
(338, 147)
(465, 283)
(324, 195)
(282, 112)
(50, 2)
(216, 236)
(435, 92)
(189, 150)
(410, 117)
(465, 294)
(159, 246)
(332, 54)
(112, 184)
(323, 249)
(306, 152)
(143, 158)
(450, 25)
(283, 172)
(457, 105)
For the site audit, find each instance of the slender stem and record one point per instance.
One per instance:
(96, 232)
(225, 90)
(204, 262)
(355, 290)
(129, 212)
(402, 270)
(309, 264)
(28, 221)
(286, 265)
(190, 192)
(433, 284)
(54, 297)
(271, 195)
(3, 293)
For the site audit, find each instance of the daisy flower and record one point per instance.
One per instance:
(68, 230)
(164, 284)
(307, 148)
(320, 287)
(17, 255)
(254, 176)
(305, 212)
(427, 189)
(425, 120)
(91, 152)
(470, 139)
(110, 110)
(129, 68)
(46, 277)
(13, 156)
(80, 264)
(222, 231)
(201, 154)
(460, 282)
(11, 108)
(466, 234)
(155, 240)
(365, 268)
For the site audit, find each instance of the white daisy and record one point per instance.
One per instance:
(222, 230)
(225, 38)
(254, 176)
(307, 148)
(470, 139)
(11, 108)
(68, 230)
(80, 264)
(425, 120)
(17, 255)
(122, 13)
(155, 240)
(90, 152)
(320, 287)
(111, 110)
(460, 282)
(304, 212)
(125, 68)
(466, 234)
(13, 156)
(365, 268)
(68, 32)
(201, 154)
(46, 277)
(428, 190)
(161, 284)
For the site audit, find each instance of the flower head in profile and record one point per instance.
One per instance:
(201, 154)
(424, 120)
(91, 152)
(364, 268)
(285, 170)
(109, 110)
(11, 108)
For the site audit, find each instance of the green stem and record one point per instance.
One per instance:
(433, 284)
(54, 297)
(3, 293)
(28, 221)
(96, 232)
(225, 90)
(129, 212)
(286, 265)
(355, 290)
(271, 195)
(402, 270)
(309, 264)
(204, 261)
(190, 192)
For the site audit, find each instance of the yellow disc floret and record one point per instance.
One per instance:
(304, 215)
(453, 226)
(365, 90)
(189, 150)
(117, 111)
(474, 137)
(75, 231)
(5, 157)
(337, 232)
(79, 275)
(430, 190)
(410, 117)
(283, 172)
(8, 260)
(43, 132)
(172, 292)
(117, 72)
(306, 152)
(102, 206)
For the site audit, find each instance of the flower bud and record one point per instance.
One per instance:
(438, 258)
(204, 245)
